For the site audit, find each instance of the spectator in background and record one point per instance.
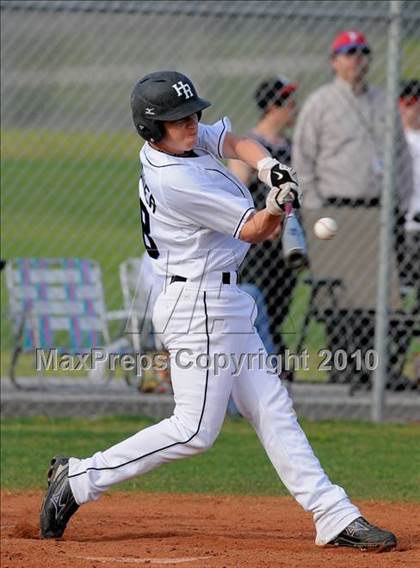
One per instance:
(409, 104)
(265, 267)
(339, 136)
(338, 151)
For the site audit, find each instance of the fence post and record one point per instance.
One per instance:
(387, 213)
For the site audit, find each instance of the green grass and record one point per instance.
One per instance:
(69, 194)
(370, 461)
(75, 194)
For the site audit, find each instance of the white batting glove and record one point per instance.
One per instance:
(277, 175)
(277, 198)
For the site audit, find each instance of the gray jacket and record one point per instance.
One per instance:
(338, 146)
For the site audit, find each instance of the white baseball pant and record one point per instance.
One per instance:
(206, 319)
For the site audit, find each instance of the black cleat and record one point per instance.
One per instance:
(59, 504)
(364, 536)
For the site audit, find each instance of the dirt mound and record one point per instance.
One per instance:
(25, 530)
(196, 531)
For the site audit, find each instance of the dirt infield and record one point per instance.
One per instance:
(202, 531)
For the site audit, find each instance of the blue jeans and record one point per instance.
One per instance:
(262, 325)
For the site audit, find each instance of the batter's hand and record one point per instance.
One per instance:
(277, 175)
(277, 198)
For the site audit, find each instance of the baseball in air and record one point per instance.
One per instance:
(325, 228)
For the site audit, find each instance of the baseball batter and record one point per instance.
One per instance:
(198, 222)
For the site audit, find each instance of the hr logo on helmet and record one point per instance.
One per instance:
(149, 111)
(183, 89)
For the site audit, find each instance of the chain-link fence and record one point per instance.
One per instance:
(70, 167)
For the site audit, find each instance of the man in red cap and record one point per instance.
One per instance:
(338, 151)
(350, 58)
(339, 136)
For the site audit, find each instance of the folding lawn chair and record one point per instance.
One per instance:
(141, 287)
(57, 303)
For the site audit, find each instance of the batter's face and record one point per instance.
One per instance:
(180, 135)
(351, 67)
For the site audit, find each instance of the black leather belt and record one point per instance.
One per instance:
(176, 278)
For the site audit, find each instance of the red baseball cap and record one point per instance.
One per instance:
(348, 39)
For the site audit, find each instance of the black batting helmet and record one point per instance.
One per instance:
(163, 96)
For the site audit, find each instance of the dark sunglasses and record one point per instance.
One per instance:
(355, 50)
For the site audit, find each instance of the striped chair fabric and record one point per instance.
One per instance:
(57, 302)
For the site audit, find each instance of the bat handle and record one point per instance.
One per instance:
(288, 208)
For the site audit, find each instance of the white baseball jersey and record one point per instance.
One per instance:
(193, 208)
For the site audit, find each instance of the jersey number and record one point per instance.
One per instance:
(149, 243)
